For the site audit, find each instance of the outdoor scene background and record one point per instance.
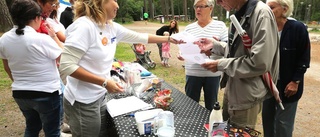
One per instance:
(182, 10)
(307, 120)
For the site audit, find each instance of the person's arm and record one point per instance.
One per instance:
(159, 39)
(207, 44)
(54, 36)
(70, 58)
(264, 52)
(126, 35)
(6, 68)
(303, 53)
(61, 36)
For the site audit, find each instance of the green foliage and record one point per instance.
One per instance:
(129, 10)
(315, 17)
(5, 81)
(124, 53)
(315, 30)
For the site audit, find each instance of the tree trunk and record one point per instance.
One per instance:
(172, 8)
(167, 9)
(163, 8)
(151, 9)
(185, 9)
(5, 21)
(145, 7)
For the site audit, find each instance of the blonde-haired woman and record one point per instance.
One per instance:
(294, 62)
(87, 60)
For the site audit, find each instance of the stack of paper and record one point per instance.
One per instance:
(121, 106)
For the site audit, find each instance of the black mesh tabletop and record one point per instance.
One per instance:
(189, 117)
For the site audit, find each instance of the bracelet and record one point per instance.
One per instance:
(168, 38)
(104, 84)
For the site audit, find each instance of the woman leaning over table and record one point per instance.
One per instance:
(29, 58)
(294, 61)
(87, 60)
(172, 28)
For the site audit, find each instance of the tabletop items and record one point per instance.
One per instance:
(215, 121)
(189, 116)
(164, 124)
(162, 99)
(145, 120)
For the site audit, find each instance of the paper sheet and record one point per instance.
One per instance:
(121, 106)
(189, 51)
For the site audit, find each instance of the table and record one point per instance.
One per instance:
(189, 117)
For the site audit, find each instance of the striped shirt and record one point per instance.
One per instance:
(215, 29)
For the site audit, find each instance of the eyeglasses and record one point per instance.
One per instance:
(53, 5)
(200, 6)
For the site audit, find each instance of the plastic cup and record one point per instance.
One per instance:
(164, 124)
(165, 132)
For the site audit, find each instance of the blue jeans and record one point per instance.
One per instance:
(41, 113)
(210, 86)
(277, 122)
(62, 86)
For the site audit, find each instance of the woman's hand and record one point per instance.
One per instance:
(50, 30)
(180, 57)
(172, 40)
(113, 87)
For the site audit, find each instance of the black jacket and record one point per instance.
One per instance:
(294, 57)
(163, 29)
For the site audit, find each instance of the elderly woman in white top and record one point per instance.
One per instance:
(87, 60)
(198, 78)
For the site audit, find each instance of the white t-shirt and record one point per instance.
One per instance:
(31, 59)
(56, 25)
(85, 35)
(215, 28)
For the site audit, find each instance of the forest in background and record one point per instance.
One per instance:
(306, 11)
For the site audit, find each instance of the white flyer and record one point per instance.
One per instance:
(188, 50)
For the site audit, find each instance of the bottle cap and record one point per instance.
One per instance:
(216, 106)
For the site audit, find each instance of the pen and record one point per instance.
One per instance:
(129, 115)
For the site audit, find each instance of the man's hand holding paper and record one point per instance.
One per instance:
(211, 65)
(206, 44)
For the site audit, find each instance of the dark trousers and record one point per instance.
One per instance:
(41, 113)
(160, 50)
(210, 86)
(278, 122)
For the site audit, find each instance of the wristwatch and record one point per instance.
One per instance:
(104, 84)
(297, 82)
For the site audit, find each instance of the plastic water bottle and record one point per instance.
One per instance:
(215, 117)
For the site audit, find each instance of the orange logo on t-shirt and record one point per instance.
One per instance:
(104, 41)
